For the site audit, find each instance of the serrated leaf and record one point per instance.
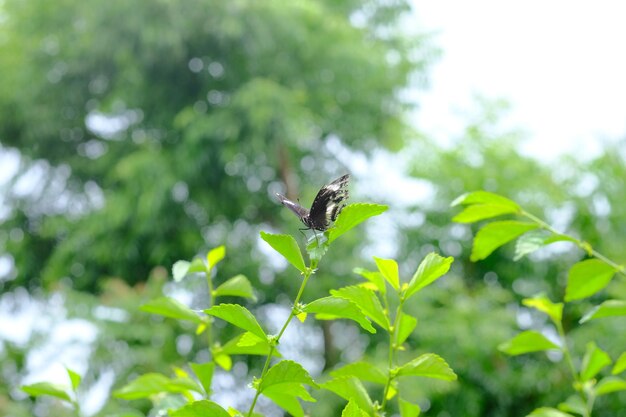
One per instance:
(496, 234)
(204, 373)
(389, 270)
(594, 361)
(483, 197)
(286, 372)
(285, 401)
(249, 339)
(477, 212)
(586, 278)
(526, 342)
(168, 307)
(620, 364)
(406, 325)
(610, 384)
(367, 301)
(46, 388)
(235, 347)
(143, 387)
(237, 286)
(408, 409)
(548, 412)
(215, 255)
(428, 365)
(287, 246)
(74, 378)
(238, 316)
(337, 307)
(609, 308)
(432, 267)
(529, 242)
(350, 389)
(545, 305)
(351, 216)
(201, 408)
(364, 371)
(374, 277)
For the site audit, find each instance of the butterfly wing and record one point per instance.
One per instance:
(301, 212)
(328, 203)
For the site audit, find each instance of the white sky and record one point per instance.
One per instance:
(561, 64)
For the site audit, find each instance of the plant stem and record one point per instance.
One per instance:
(292, 314)
(392, 350)
(568, 357)
(209, 333)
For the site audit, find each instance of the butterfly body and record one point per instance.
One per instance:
(327, 205)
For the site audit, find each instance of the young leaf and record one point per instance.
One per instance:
(479, 212)
(526, 342)
(352, 410)
(430, 269)
(574, 404)
(236, 346)
(529, 242)
(548, 412)
(496, 234)
(406, 325)
(223, 360)
(351, 216)
(215, 255)
(367, 301)
(543, 304)
(202, 408)
(143, 387)
(336, 307)
(365, 371)
(286, 372)
(610, 384)
(484, 197)
(389, 269)
(350, 389)
(287, 246)
(179, 270)
(204, 372)
(237, 286)
(620, 364)
(428, 365)
(609, 308)
(374, 277)
(239, 316)
(408, 409)
(168, 307)
(74, 378)
(587, 278)
(46, 388)
(594, 360)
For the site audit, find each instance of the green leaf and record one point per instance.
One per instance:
(237, 346)
(609, 308)
(587, 278)
(620, 364)
(526, 342)
(406, 325)
(286, 372)
(287, 246)
(529, 242)
(284, 395)
(46, 388)
(594, 360)
(237, 286)
(223, 360)
(329, 308)
(367, 301)
(484, 197)
(352, 410)
(374, 277)
(179, 270)
(238, 316)
(168, 307)
(430, 269)
(74, 378)
(574, 404)
(545, 305)
(548, 412)
(204, 372)
(479, 212)
(610, 384)
(201, 408)
(351, 216)
(389, 269)
(408, 409)
(365, 371)
(428, 365)
(350, 389)
(496, 234)
(143, 387)
(215, 255)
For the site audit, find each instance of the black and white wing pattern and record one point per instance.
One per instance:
(328, 203)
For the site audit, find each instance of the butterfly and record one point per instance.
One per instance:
(328, 203)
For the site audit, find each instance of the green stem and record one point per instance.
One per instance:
(209, 333)
(568, 357)
(392, 350)
(292, 314)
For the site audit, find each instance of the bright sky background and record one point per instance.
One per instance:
(561, 64)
